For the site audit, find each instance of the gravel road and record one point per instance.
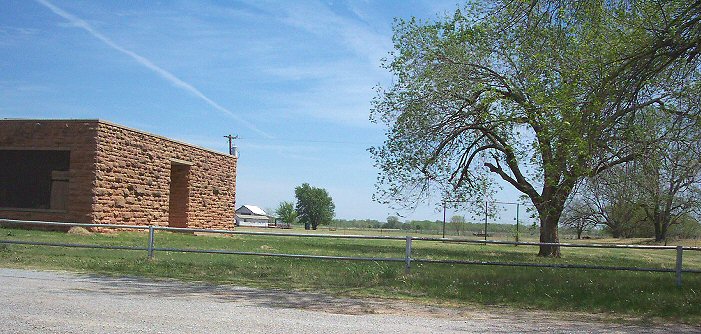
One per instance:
(60, 302)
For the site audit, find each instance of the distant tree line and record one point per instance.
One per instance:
(657, 197)
(457, 225)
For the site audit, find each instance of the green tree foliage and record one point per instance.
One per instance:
(668, 178)
(314, 205)
(687, 228)
(609, 197)
(393, 222)
(661, 188)
(357, 223)
(458, 223)
(537, 93)
(286, 212)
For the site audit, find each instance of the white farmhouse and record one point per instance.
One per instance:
(251, 215)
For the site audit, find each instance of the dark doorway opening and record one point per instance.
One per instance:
(179, 195)
(34, 179)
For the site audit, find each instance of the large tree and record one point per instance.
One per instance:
(670, 192)
(668, 177)
(537, 93)
(314, 205)
(393, 222)
(578, 216)
(660, 188)
(609, 197)
(286, 212)
(458, 222)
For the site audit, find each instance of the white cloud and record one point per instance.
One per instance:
(355, 35)
(9, 31)
(10, 34)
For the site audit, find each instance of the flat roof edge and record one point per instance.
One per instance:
(108, 123)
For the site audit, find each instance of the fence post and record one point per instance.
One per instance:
(680, 249)
(407, 257)
(150, 241)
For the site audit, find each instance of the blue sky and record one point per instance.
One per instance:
(294, 79)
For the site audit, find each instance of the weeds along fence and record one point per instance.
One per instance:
(150, 247)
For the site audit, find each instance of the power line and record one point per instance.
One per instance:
(310, 141)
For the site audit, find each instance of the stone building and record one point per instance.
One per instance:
(92, 171)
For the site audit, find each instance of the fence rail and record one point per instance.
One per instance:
(407, 259)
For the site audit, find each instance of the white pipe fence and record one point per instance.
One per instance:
(407, 259)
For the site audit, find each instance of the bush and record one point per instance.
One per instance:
(689, 228)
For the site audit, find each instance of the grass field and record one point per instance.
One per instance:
(628, 294)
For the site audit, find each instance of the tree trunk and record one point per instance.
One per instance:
(661, 229)
(615, 232)
(579, 233)
(658, 232)
(548, 233)
(663, 235)
(659, 224)
(549, 212)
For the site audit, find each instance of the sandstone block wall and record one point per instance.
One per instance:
(123, 176)
(133, 180)
(78, 137)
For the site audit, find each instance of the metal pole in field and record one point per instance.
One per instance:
(485, 220)
(517, 206)
(444, 220)
(680, 249)
(407, 257)
(150, 241)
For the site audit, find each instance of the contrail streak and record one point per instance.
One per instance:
(170, 77)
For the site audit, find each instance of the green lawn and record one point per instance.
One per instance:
(636, 294)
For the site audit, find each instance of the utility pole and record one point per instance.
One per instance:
(443, 220)
(233, 151)
(517, 207)
(485, 220)
(232, 148)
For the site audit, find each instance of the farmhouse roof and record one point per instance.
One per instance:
(252, 209)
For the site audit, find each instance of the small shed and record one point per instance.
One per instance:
(93, 171)
(251, 215)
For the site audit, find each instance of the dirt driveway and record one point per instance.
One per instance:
(59, 302)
